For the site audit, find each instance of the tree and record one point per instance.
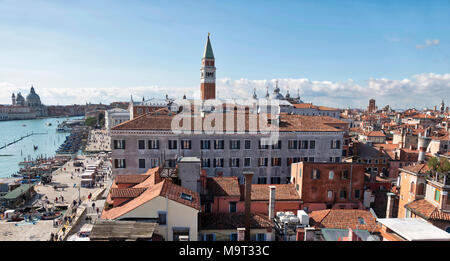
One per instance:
(91, 121)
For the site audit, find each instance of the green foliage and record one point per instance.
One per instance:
(444, 165)
(433, 163)
(91, 121)
(441, 165)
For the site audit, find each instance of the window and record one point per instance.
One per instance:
(275, 180)
(172, 144)
(412, 187)
(343, 194)
(247, 162)
(248, 144)
(119, 144)
(292, 160)
(162, 217)
(209, 237)
(142, 163)
(437, 195)
(120, 163)
(276, 162)
(357, 193)
(232, 207)
(263, 144)
(260, 237)
(218, 163)
(154, 162)
(263, 162)
(186, 196)
(262, 180)
(303, 144)
(205, 144)
(206, 163)
(330, 194)
(312, 144)
(311, 159)
(420, 189)
(171, 163)
(335, 144)
(233, 237)
(331, 175)
(234, 162)
(277, 145)
(315, 174)
(219, 144)
(292, 144)
(141, 144)
(344, 174)
(361, 221)
(153, 144)
(186, 144)
(235, 144)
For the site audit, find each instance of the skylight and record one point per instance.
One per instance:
(186, 196)
(361, 221)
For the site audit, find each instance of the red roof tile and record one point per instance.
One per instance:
(343, 219)
(427, 210)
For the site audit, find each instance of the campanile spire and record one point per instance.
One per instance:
(208, 73)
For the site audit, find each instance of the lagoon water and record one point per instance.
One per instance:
(48, 141)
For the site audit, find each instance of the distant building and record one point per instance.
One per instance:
(115, 116)
(372, 108)
(21, 108)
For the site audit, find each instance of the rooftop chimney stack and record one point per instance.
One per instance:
(390, 204)
(272, 202)
(422, 144)
(248, 192)
(241, 234)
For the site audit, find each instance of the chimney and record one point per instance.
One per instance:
(248, 192)
(300, 234)
(390, 204)
(203, 179)
(272, 202)
(422, 144)
(309, 233)
(241, 234)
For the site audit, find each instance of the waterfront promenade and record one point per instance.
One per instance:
(68, 176)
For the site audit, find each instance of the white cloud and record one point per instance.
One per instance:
(428, 42)
(419, 91)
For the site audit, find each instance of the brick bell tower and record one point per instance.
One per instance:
(208, 73)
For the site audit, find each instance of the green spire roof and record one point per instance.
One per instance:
(208, 50)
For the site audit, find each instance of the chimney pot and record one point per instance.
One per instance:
(248, 192)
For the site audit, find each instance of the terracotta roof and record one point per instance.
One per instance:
(282, 192)
(343, 219)
(130, 178)
(418, 168)
(374, 134)
(224, 186)
(427, 210)
(149, 189)
(287, 123)
(233, 221)
(126, 192)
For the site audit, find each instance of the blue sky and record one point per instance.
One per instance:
(78, 51)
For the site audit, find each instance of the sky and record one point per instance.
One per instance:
(333, 53)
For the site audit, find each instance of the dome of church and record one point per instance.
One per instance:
(276, 94)
(33, 98)
(20, 98)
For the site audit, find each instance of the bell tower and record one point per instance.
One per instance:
(208, 73)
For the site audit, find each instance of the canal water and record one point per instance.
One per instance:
(46, 138)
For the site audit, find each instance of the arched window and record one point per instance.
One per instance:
(411, 189)
(420, 189)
